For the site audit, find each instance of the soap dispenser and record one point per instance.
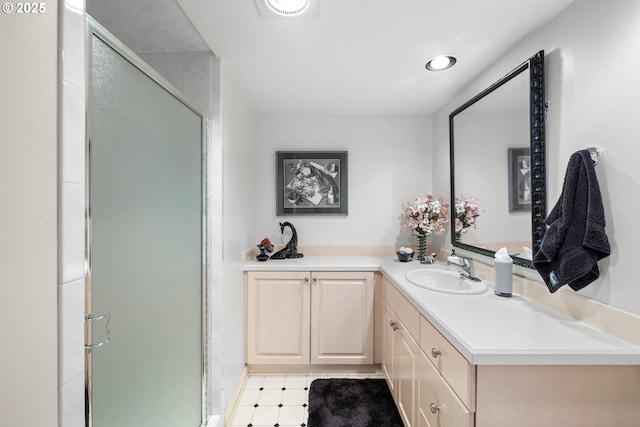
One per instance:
(503, 266)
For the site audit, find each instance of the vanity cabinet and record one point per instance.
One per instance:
(420, 364)
(435, 386)
(303, 318)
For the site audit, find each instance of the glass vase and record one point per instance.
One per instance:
(421, 247)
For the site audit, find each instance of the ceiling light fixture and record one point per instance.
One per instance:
(287, 7)
(440, 63)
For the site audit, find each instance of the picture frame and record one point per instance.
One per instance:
(519, 165)
(311, 183)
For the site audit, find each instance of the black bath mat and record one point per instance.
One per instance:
(346, 402)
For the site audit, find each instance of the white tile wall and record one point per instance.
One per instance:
(71, 232)
(196, 80)
(71, 223)
(71, 337)
(168, 64)
(73, 35)
(72, 155)
(189, 72)
(72, 406)
(214, 262)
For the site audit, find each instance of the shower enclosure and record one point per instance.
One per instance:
(146, 287)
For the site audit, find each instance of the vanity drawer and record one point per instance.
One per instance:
(439, 404)
(453, 367)
(403, 308)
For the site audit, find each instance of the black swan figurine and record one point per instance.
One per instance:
(291, 248)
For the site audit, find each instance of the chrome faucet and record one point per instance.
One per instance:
(465, 265)
(429, 259)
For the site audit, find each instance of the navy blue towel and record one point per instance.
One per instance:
(575, 240)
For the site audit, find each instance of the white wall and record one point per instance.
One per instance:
(240, 175)
(28, 242)
(593, 90)
(389, 164)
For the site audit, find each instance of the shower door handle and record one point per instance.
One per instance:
(90, 319)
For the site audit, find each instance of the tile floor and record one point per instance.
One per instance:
(279, 400)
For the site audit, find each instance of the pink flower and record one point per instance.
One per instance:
(425, 215)
(467, 210)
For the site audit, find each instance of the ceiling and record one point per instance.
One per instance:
(355, 56)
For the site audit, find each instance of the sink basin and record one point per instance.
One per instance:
(447, 281)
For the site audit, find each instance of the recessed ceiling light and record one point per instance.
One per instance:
(440, 63)
(287, 7)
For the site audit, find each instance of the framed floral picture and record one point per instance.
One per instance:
(311, 183)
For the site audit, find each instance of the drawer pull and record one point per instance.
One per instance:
(393, 325)
(434, 408)
(435, 352)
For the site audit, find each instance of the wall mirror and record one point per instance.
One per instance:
(497, 149)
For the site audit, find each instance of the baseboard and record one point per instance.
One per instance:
(235, 397)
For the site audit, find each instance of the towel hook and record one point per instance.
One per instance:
(595, 155)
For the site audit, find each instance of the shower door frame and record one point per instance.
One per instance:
(94, 29)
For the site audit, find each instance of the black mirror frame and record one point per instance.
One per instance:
(537, 110)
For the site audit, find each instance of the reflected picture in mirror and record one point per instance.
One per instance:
(519, 178)
(497, 156)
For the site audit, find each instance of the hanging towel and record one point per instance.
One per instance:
(575, 240)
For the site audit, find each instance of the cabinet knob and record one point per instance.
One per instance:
(393, 325)
(306, 279)
(435, 352)
(315, 279)
(434, 408)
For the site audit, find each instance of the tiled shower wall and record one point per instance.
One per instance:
(71, 225)
(197, 75)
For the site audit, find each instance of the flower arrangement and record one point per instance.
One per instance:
(264, 246)
(425, 215)
(467, 210)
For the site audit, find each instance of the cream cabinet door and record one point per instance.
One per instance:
(389, 343)
(401, 366)
(407, 371)
(342, 317)
(401, 360)
(278, 315)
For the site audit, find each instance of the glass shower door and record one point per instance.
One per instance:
(145, 239)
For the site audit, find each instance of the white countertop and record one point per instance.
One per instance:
(485, 328)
